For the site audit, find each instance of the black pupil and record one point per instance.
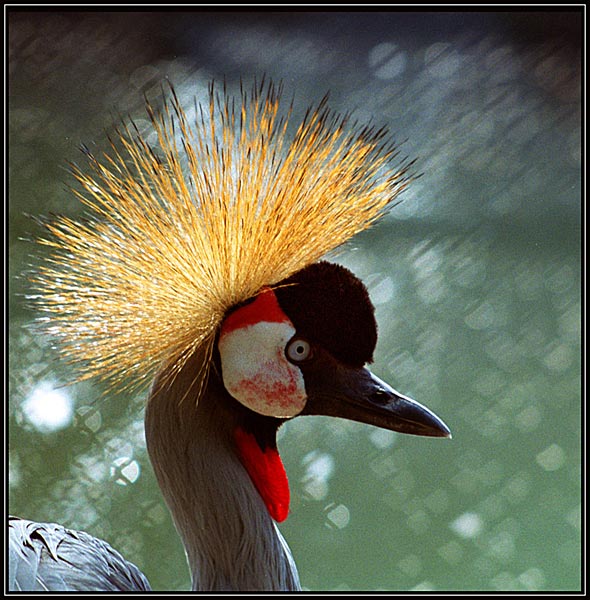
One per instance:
(300, 349)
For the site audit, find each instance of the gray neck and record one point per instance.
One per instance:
(231, 542)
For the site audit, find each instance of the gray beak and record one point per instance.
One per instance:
(358, 395)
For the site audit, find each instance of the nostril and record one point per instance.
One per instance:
(380, 397)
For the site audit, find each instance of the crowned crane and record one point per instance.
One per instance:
(201, 269)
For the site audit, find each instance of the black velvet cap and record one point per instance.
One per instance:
(331, 307)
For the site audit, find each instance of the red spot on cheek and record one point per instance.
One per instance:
(278, 390)
(267, 473)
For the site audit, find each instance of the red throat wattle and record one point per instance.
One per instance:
(267, 472)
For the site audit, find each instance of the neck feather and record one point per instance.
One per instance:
(230, 539)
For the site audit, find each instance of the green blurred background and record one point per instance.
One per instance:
(476, 278)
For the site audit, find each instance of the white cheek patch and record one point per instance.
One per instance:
(256, 372)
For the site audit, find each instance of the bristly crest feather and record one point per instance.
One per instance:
(224, 204)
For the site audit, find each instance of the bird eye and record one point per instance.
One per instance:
(298, 350)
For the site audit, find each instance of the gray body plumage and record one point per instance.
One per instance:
(49, 557)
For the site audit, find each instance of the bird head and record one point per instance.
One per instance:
(207, 236)
(301, 348)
